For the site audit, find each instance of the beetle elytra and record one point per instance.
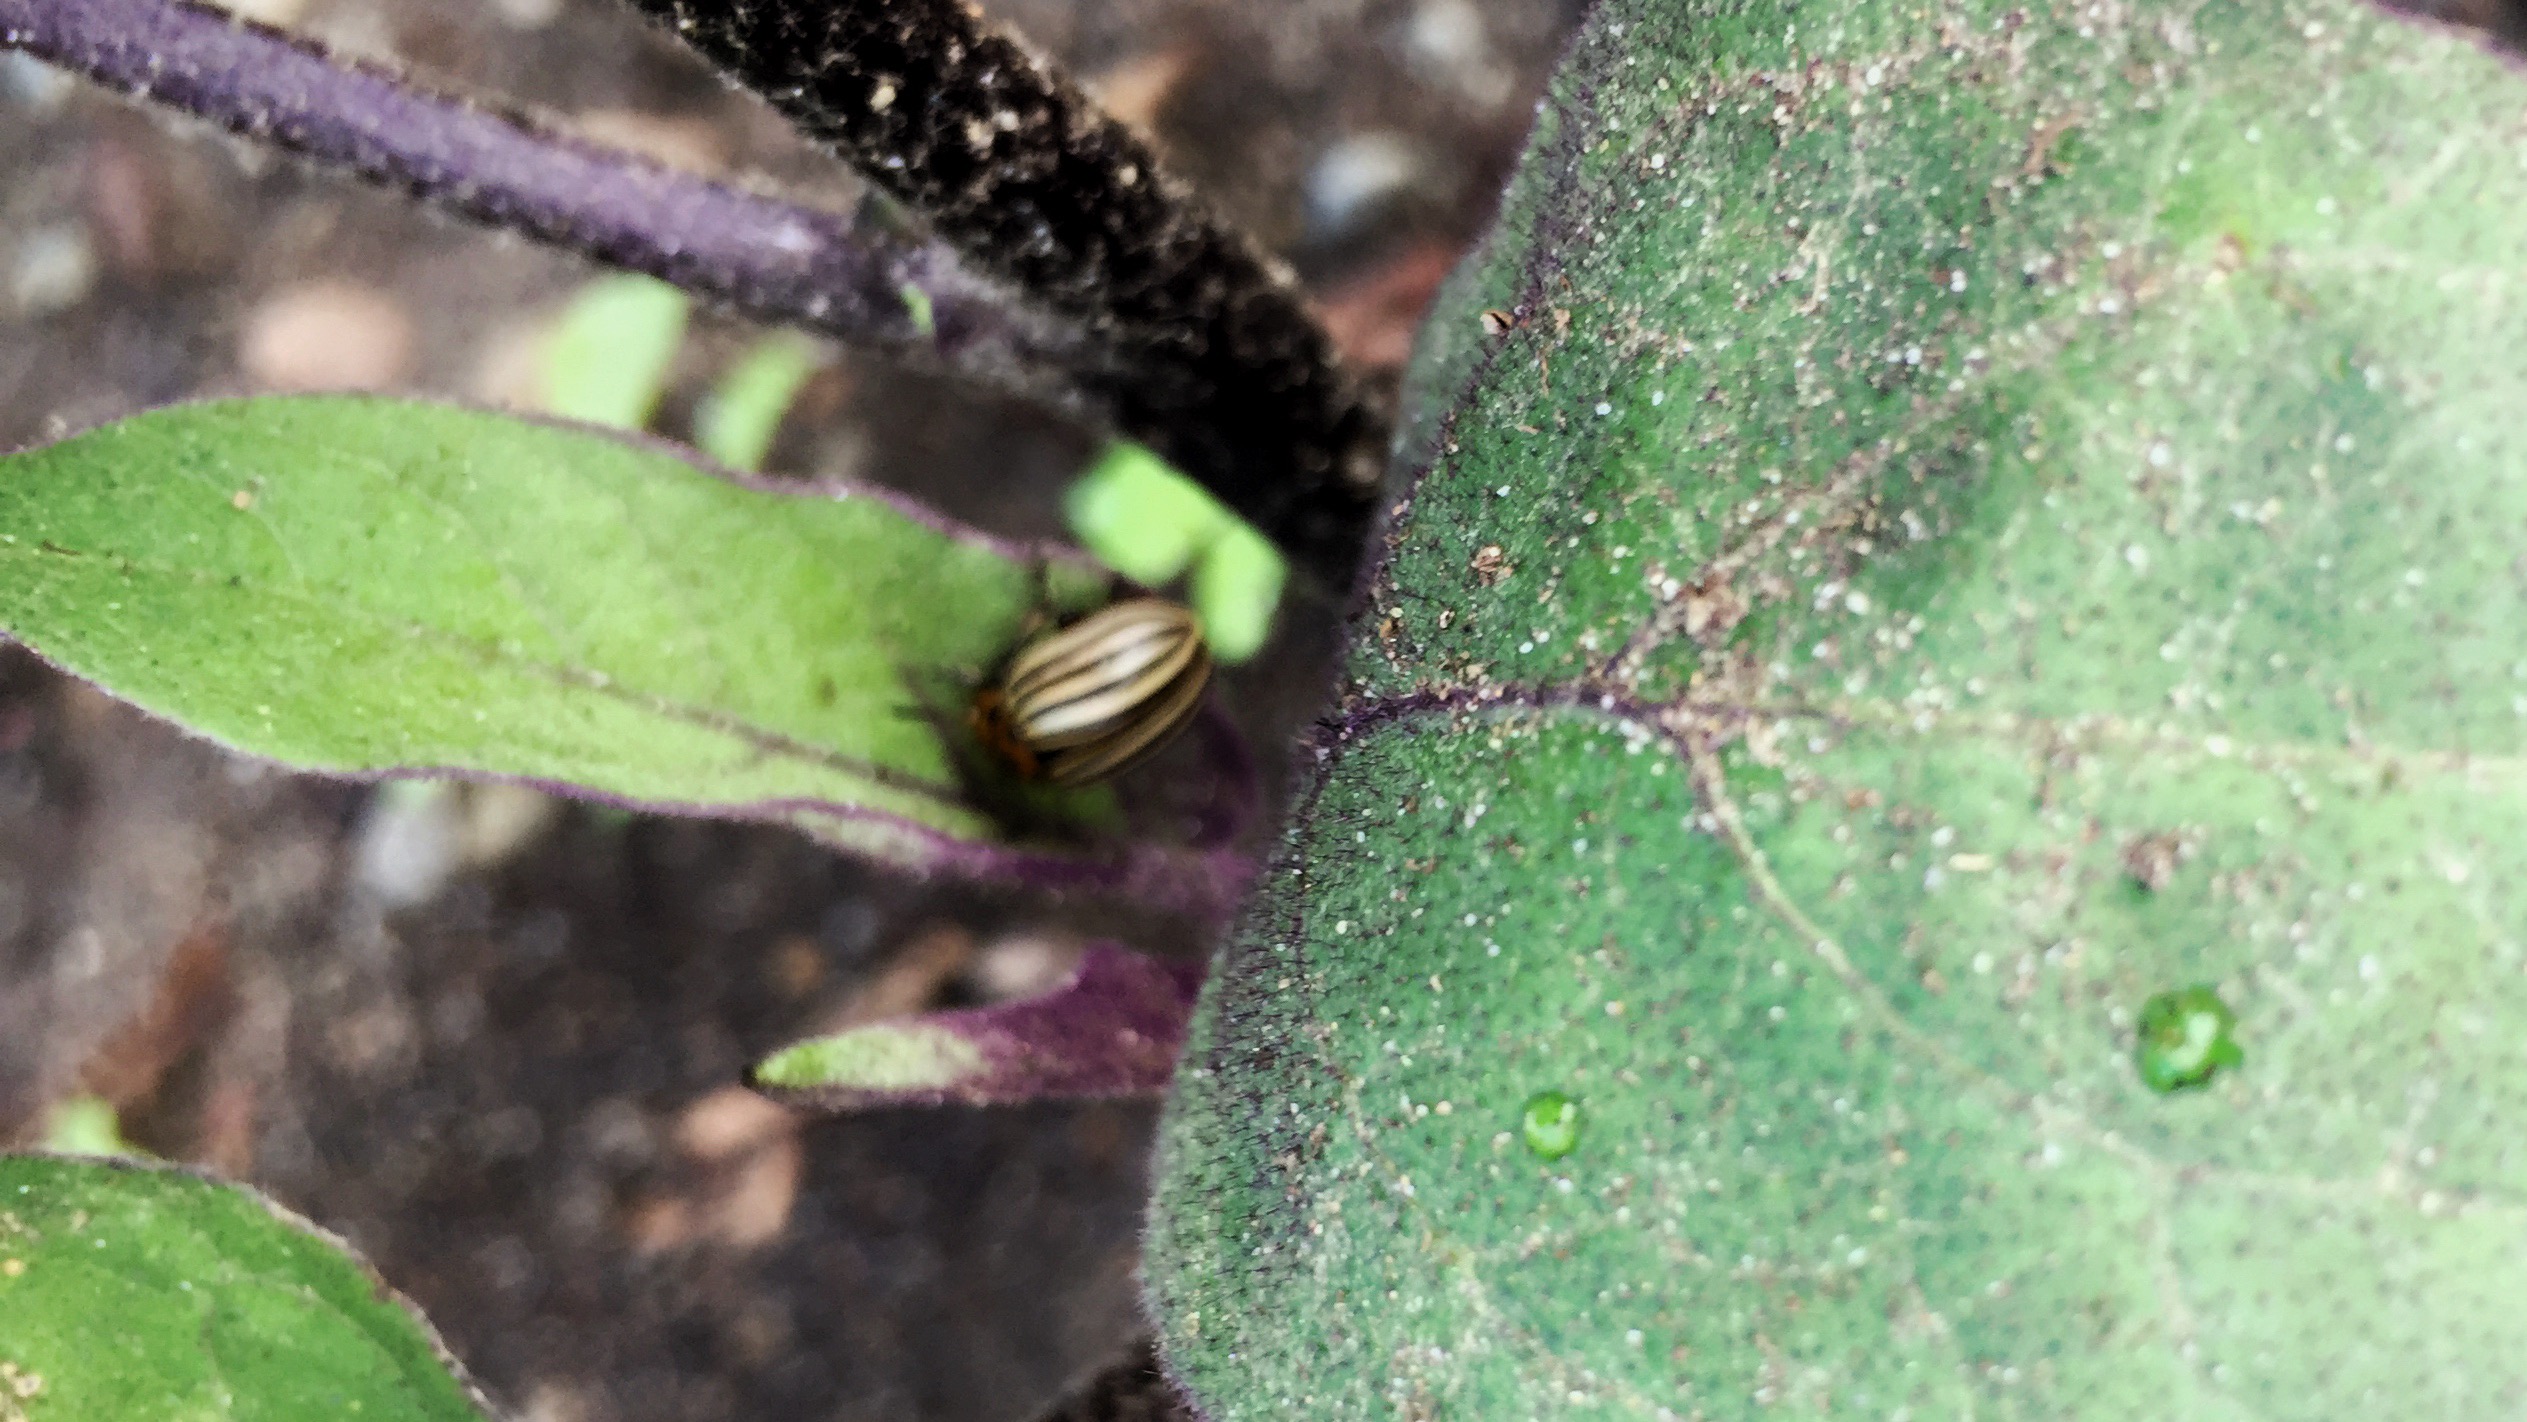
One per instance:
(1098, 696)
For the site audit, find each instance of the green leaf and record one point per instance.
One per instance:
(1111, 1029)
(609, 355)
(1982, 518)
(737, 423)
(1151, 524)
(85, 1125)
(1236, 587)
(887, 1058)
(370, 586)
(917, 304)
(128, 1292)
(1140, 517)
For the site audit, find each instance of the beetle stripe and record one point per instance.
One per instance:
(1110, 632)
(1096, 699)
(1088, 668)
(1093, 677)
(1104, 692)
(1157, 724)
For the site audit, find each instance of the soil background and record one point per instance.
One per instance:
(491, 1037)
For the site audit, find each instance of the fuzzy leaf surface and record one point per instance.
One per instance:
(131, 1292)
(370, 586)
(1968, 519)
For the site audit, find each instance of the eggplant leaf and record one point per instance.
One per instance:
(371, 587)
(1932, 826)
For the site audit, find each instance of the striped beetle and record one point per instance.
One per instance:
(1099, 695)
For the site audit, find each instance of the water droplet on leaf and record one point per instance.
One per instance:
(2185, 1039)
(1551, 1124)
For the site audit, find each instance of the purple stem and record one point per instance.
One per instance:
(772, 259)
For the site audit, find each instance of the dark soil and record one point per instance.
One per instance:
(491, 1039)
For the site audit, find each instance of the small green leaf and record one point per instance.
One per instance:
(905, 1056)
(1148, 522)
(1111, 1029)
(609, 355)
(736, 424)
(372, 586)
(130, 1293)
(917, 305)
(1236, 587)
(1140, 517)
(85, 1125)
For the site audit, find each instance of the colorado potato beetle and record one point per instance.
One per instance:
(1099, 695)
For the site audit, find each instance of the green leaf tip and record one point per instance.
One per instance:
(886, 1057)
(130, 1292)
(610, 352)
(1111, 1029)
(1140, 517)
(1237, 588)
(85, 1125)
(737, 423)
(917, 304)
